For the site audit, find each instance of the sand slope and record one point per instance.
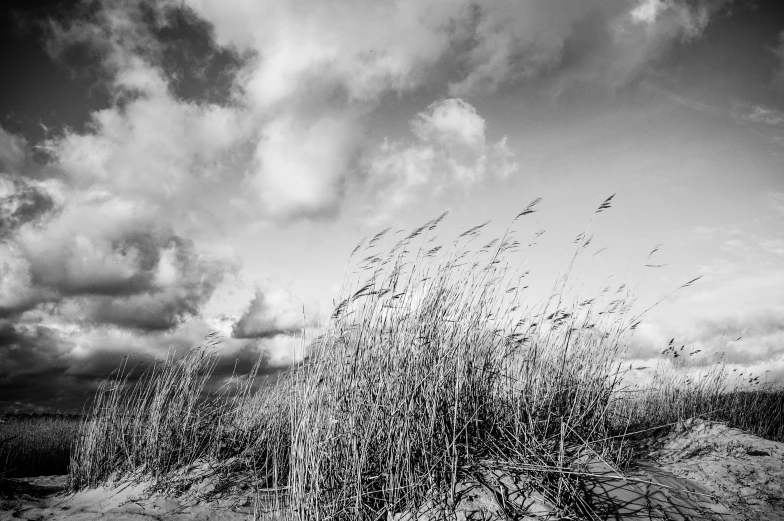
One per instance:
(700, 471)
(43, 498)
(743, 472)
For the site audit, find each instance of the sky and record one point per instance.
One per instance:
(172, 168)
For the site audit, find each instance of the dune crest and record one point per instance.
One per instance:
(699, 471)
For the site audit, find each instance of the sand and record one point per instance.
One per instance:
(40, 500)
(700, 471)
(743, 472)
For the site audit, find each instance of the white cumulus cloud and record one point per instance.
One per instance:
(450, 149)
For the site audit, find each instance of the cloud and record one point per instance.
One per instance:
(313, 82)
(599, 43)
(745, 336)
(135, 188)
(283, 350)
(20, 158)
(13, 152)
(283, 147)
(355, 49)
(740, 337)
(766, 116)
(32, 363)
(103, 241)
(273, 325)
(305, 81)
(707, 232)
(736, 309)
(765, 122)
(100, 258)
(119, 35)
(450, 149)
(778, 72)
(17, 291)
(776, 200)
(47, 362)
(691, 17)
(273, 313)
(302, 47)
(648, 11)
(23, 201)
(55, 365)
(509, 41)
(105, 262)
(301, 166)
(181, 159)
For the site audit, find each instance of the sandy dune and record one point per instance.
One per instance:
(43, 498)
(700, 471)
(743, 472)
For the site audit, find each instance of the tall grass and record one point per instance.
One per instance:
(429, 368)
(434, 366)
(680, 390)
(759, 411)
(36, 444)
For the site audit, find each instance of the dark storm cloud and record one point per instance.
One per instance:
(198, 69)
(102, 259)
(159, 306)
(101, 362)
(85, 277)
(41, 96)
(242, 361)
(168, 36)
(26, 346)
(147, 278)
(32, 365)
(67, 270)
(44, 367)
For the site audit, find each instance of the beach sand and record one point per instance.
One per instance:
(699, 471)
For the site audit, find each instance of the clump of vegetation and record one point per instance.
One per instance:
(758, 411)
(681, 389)
(36, 444)
(164, 421)
(433, 367)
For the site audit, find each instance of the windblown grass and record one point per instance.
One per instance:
(433, 366)
(427, 369)
(679, 391)
(164, 421)
(758, 411)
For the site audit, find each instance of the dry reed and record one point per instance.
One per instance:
(433, 366)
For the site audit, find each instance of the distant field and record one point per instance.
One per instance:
(36, 444)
